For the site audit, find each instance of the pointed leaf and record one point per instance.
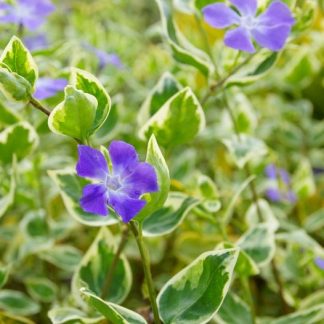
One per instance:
(19, 60)
(244, 148)
(86, 82)
(61, 315)
(114, 313)
(17, 303)
(19, 140)
(156, 200)
(41, 289)
(259, 243)
(166, 87)
(195, 294)
(179, 120)
(168, 218)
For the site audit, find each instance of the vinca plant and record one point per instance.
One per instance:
(162, 161)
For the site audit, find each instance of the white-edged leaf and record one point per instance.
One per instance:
(71, 186)
(156, 200)
(168, 218)
(19, 60)
(259, 243)
(244, 148)
(114, 313)
(95, 266)
(88, 83)
(195, 294)
(178, 122)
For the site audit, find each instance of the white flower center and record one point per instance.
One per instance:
(113, 183)
(249, 22)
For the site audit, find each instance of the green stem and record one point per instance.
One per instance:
(214, 87)
(35, 103)
(246, 286)
(110, 274)
(147, 269)
(255, 197)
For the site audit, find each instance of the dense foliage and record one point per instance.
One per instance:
(162, 161)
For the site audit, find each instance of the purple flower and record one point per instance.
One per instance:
(30, 14)
(36, 42)
(47, 87)
(105, 58)
(279, 188)
(120, 188)
(270, 29)
(319, 262)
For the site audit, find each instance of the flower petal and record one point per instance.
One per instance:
(94, 199)
(273, 194)
(278, 13)
(271, 171)
(246, 7)
(219, 15)
(273, 38)
(47, 87)
(126, 207)
(123, 157)
(141, 181)
(240, 39)
(91, 164)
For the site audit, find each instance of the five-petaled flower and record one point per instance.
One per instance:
(279, 186)
(48, 87)
(270, 29)
(120, 188)
(30, 14)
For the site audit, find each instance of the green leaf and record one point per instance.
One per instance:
(163, 90)
(7, 200)
(266, 65)
(301, 238)
(75, 116)
(156, 200)
(13, 319)
(245, 148)
(114, 313)
(94, 268)
(86, 82)
(34, 226)
(65, 257)
(315, 221)
(309, 316)
(182, 51)
(8, 116)
(195, 294)
(245, 266)
(41, 289)
(252, 217)
(17, 303)
(234, 311)
(71, 186)
(259, 243)
(4, 274)
(17, 140)
(60, 315)
(168, 218)
(179, 120)
(13, 86)
(19, 60)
